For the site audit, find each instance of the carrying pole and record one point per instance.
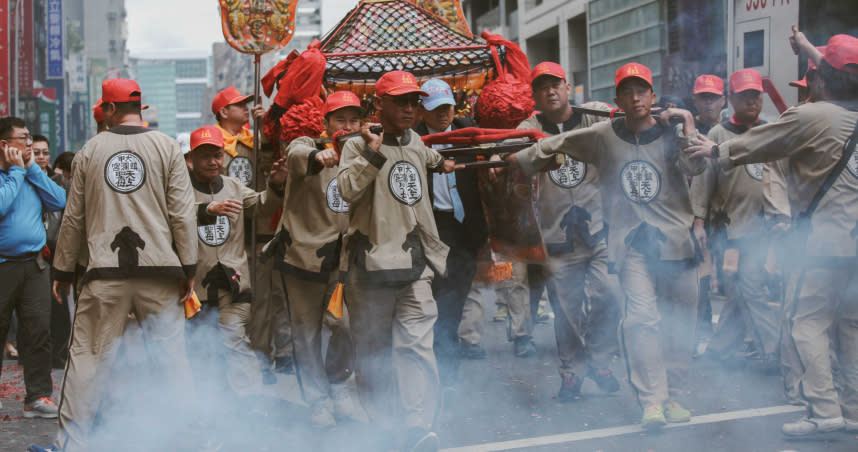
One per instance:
(257, 60)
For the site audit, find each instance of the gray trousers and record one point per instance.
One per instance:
(823, 298)
(584, 298)
(658, 323)
(471, 325)
(99, 322)
(308, 302)
(395, 368)
(750, 309)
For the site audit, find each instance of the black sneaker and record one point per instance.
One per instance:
(570, 387)
(472, 351)
(604, 378)
(524, 347)
(284, 365)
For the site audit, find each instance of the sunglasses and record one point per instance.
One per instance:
(405, 100)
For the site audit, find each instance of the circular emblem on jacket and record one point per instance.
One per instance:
(241, 169)
(570, 174)
(640, 180)
(125, 172)
(335, 201)
(755, 170)
(404, 182)
(852, 164)
(215, 234)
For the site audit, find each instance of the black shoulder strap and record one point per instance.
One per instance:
(848, 150)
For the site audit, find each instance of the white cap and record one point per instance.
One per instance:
(184, 140)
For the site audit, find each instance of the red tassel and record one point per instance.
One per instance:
(276, 73)
(516, 63)
(303, 79)
(504, 103)
(303, 119)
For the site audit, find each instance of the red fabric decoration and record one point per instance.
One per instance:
(304, 77)
(303, 119)
(477, 135)
(271, 129)
(504, 103)
(275, 73)
(516, 63)
(275, 219)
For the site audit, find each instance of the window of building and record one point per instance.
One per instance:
(187, 124)
(189, 97)
(191, 69)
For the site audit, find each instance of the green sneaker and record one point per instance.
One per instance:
(501, 314)
(653, 417)
(673, 412)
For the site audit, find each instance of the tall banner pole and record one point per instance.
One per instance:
(257, 70)
(257, 27)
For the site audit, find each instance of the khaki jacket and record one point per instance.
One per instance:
(732, 197)
(646, 196)
(775, 195)
(132, 206)
(241, 167)
(222, 256)
(392, 233)
(316, 218)
(811, 137)
(568, 198)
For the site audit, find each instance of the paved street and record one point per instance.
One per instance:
(501, 403)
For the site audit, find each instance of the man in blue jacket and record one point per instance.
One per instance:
(25, 285)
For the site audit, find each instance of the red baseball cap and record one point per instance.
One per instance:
(228, 96)
(745, 79)
(341, 99)
(799, 83)
(633, 70)
(206, 135)
(842, 50)
(397, 83)
(707, 83)
(120, 90)
(97, 112)
(548, 68)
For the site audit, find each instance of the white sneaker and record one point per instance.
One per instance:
(850, 425)
(321, 415)
(345, 407)
(44, 408)
(812, 425)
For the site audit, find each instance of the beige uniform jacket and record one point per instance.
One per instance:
(647, 199)
(811, 137)
(731, 197)
(316, 218)
(392, 233)
(241, 167)
(132, 205)
(568, 198)
(222, 257)
(775, 194)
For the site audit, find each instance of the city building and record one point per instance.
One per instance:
(174, 84)
(677, 39)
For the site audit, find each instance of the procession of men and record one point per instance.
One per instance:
(349, 257)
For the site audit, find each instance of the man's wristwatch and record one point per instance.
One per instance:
(715, 152)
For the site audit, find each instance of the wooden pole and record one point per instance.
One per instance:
(257, 59)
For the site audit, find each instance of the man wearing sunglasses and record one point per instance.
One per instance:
(394, 252)
(25, 192)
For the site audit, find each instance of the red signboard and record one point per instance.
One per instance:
(25, 48)
(4, 59)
